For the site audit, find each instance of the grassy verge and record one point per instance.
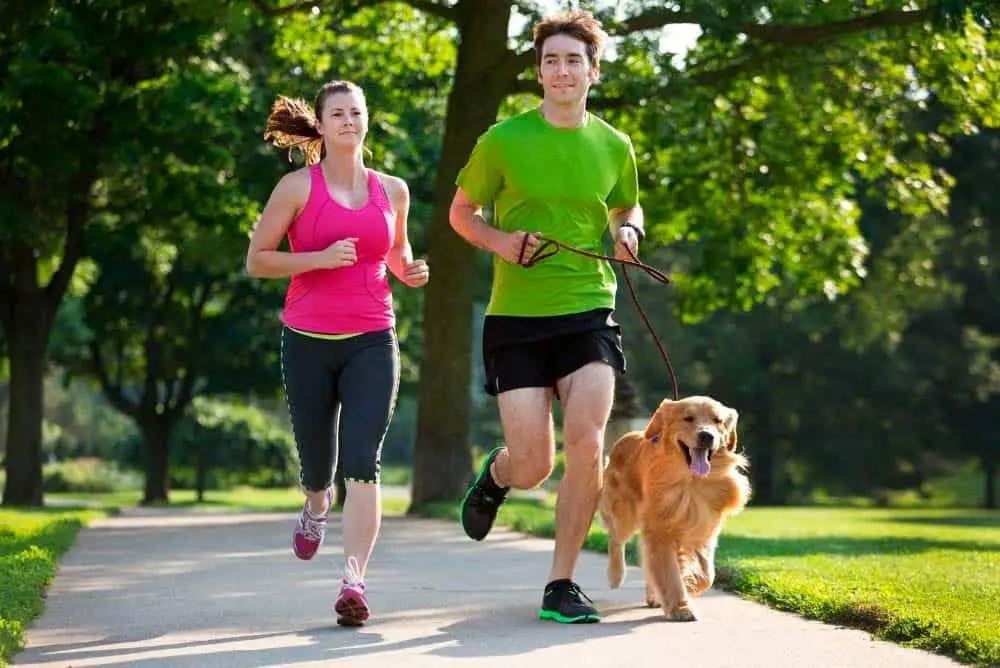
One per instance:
(928, 578)
(31, 543)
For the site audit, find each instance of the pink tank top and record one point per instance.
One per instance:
(351, 299)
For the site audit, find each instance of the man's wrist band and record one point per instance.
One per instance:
(638, 231)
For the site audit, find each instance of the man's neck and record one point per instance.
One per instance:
(565, 116)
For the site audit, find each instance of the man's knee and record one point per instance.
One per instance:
(530, 470)
(584, 453)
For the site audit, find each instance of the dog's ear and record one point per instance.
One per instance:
(731, 421)
(659, 420)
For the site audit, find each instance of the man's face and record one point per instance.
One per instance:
(566, 72)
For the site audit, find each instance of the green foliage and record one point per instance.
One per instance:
(69, 70)
(753, 155)
(30, 545)
(239, 443)
(89, 476)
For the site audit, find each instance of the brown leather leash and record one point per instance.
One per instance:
(549, 247)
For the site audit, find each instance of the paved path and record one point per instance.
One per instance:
(173, 588)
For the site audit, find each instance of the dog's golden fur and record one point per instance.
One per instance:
(653, 484)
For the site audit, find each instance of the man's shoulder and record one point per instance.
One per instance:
(613, 134)
(513, 126)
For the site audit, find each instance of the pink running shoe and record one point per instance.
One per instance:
(309, 531)
(352, 606)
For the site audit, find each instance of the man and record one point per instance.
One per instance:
(562, 173)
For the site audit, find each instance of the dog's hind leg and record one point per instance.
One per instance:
(619, 517)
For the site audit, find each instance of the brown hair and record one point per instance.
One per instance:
(293, 124)
(579, 24)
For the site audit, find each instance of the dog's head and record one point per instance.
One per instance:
(699, 429)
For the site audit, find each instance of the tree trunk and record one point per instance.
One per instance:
(201, 473)
(27, 331)
(442, 462)
(990, 496)
(27, 337)
(156, 439)
(627, 414)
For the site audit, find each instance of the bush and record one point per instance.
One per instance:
(235, 445)
(88, 475)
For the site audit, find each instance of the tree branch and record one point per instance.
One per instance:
(111, 391)
(194, 333)
(427, 6)
(805, 35)
(654, 17)
(152, 347)
(77, 211)
(6, 292)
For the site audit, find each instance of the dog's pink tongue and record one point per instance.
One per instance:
(699, 462)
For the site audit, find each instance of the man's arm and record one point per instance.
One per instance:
(627, 227)
(466, 217)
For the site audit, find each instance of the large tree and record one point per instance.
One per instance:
(171, 314)
(764, 78)
(67, 73)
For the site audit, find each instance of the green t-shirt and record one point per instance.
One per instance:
(560, 182)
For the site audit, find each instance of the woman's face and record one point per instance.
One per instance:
(344, 121)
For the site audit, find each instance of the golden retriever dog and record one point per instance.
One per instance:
(675, 483)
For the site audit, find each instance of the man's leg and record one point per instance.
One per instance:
(524, 462)
(587, 395)
(526, 418)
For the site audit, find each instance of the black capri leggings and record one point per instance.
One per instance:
(341, 394)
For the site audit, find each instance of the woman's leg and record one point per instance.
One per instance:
(367, 386)
(310, 393)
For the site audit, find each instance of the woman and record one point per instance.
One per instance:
(346, 225)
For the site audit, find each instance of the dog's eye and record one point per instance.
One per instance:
(689, 418)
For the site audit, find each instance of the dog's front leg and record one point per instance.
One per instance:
(664, 573)
(703, 568)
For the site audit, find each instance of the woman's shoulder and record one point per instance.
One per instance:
(395, 188)
(296, 184)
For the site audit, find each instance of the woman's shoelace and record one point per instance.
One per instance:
(352, 572)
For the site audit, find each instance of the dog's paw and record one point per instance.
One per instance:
(680, 613)
(652, 600)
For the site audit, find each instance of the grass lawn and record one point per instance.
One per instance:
(31, 543)
(929, 578)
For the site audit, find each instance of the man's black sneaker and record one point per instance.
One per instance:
(482, 501)
(564, 602)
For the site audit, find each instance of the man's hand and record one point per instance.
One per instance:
(510, 244)
(626, 238)
(416, 274)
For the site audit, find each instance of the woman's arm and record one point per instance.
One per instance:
(413, 273)
(286, 201)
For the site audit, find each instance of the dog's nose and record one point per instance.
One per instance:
(705, 439)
